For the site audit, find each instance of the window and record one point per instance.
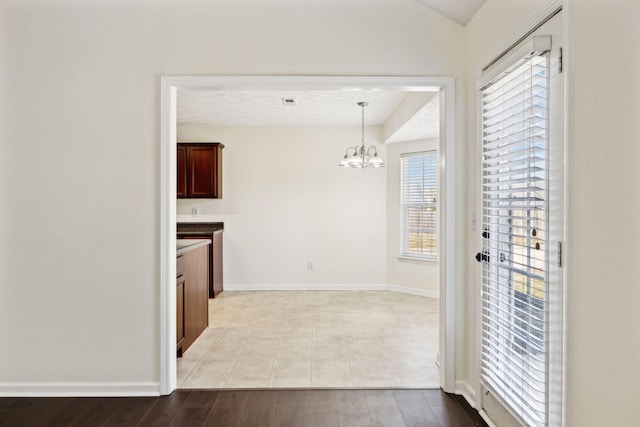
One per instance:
(419, 205)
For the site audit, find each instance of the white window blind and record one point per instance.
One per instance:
(514, 342)
(419, 201)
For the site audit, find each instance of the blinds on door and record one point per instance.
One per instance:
(419, 192)
(514, 344)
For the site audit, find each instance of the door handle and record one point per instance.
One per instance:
(482, 256)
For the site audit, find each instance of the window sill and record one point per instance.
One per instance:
(417, 260)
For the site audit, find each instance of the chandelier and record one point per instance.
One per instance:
(359, 156)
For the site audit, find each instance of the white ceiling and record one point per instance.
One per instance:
(265, 107)
(460, 11)
(312, 108)
(425, 124)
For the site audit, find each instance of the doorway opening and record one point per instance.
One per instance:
(447, 243)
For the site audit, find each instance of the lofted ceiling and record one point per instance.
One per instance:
(460, 11)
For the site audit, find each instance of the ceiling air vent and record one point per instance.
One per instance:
(289, 102)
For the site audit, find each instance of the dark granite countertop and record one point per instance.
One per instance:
(197, 228)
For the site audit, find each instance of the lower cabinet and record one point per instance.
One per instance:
(192, 296)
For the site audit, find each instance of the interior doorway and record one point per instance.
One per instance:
(170, 88)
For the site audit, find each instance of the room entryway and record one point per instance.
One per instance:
(338, 331)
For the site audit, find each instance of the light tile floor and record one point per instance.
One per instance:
(319, 339)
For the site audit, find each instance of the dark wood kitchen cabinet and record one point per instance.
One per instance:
(199, 170)
(192, 302)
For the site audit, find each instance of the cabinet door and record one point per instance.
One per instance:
(203, 176)
(199, 170)
(181, 190)
(196, 295)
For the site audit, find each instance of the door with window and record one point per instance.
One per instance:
(521, 336)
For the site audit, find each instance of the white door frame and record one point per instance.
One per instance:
(449, 281)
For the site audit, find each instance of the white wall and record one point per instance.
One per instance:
(286, 201)
(602, 317)
(603, 292)
(79, 257)
(417, 277)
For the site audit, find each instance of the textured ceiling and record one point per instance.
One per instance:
(265, 107)
(312, 108)
(460, 11)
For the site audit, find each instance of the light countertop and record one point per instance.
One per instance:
(185, 245)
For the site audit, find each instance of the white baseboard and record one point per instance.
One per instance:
(332, 287)
(464, 389)
(414, 291)
(486, 419)
(307, 287)
(79, 389)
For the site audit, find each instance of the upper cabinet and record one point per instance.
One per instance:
(199, 170)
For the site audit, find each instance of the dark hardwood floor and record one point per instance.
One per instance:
(255, 408)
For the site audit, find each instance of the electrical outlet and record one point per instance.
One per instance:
(310, 265)
(195, 211)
